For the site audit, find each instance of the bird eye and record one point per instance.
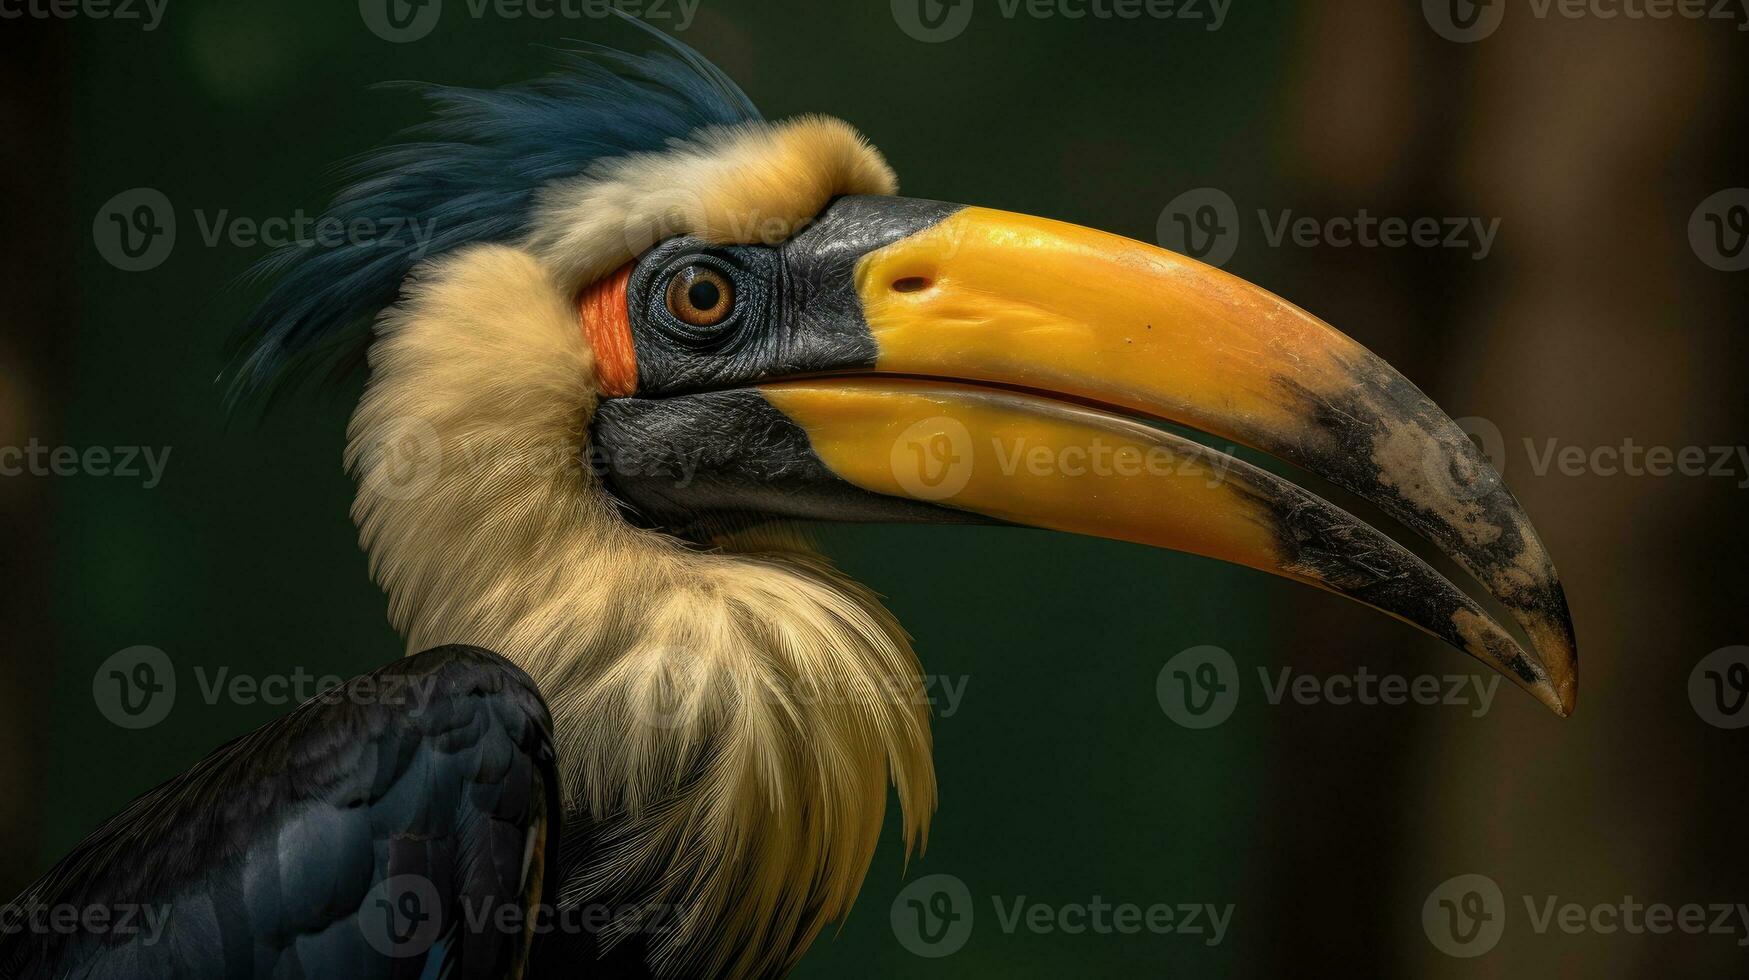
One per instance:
(700, 296)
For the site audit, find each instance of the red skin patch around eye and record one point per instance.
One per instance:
(607, 326)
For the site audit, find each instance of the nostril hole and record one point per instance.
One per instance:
(910, 284)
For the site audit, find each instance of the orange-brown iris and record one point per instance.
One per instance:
(700, 296)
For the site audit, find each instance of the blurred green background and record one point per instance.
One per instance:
(1061, 778)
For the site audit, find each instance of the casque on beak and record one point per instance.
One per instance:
(907, 360)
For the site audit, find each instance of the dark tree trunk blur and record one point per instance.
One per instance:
(1592, 322)
(36, 291)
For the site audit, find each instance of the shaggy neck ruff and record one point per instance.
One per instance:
(730, 720)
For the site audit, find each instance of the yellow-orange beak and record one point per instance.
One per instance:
(994, 364)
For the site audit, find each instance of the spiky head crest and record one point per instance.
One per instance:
(472, 174)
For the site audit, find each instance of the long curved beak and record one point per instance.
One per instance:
(997, 365)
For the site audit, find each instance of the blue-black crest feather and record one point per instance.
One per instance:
(469, 175)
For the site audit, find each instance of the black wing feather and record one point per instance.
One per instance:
(374, 832)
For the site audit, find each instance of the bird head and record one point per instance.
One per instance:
(647, 320)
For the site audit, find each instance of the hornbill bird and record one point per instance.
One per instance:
(650, 328)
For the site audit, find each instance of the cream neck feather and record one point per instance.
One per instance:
(732, 717)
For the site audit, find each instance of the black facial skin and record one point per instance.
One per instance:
(701, 463)
(796, 309)
(697, 449)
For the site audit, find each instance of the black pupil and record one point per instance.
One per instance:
(703, 295)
